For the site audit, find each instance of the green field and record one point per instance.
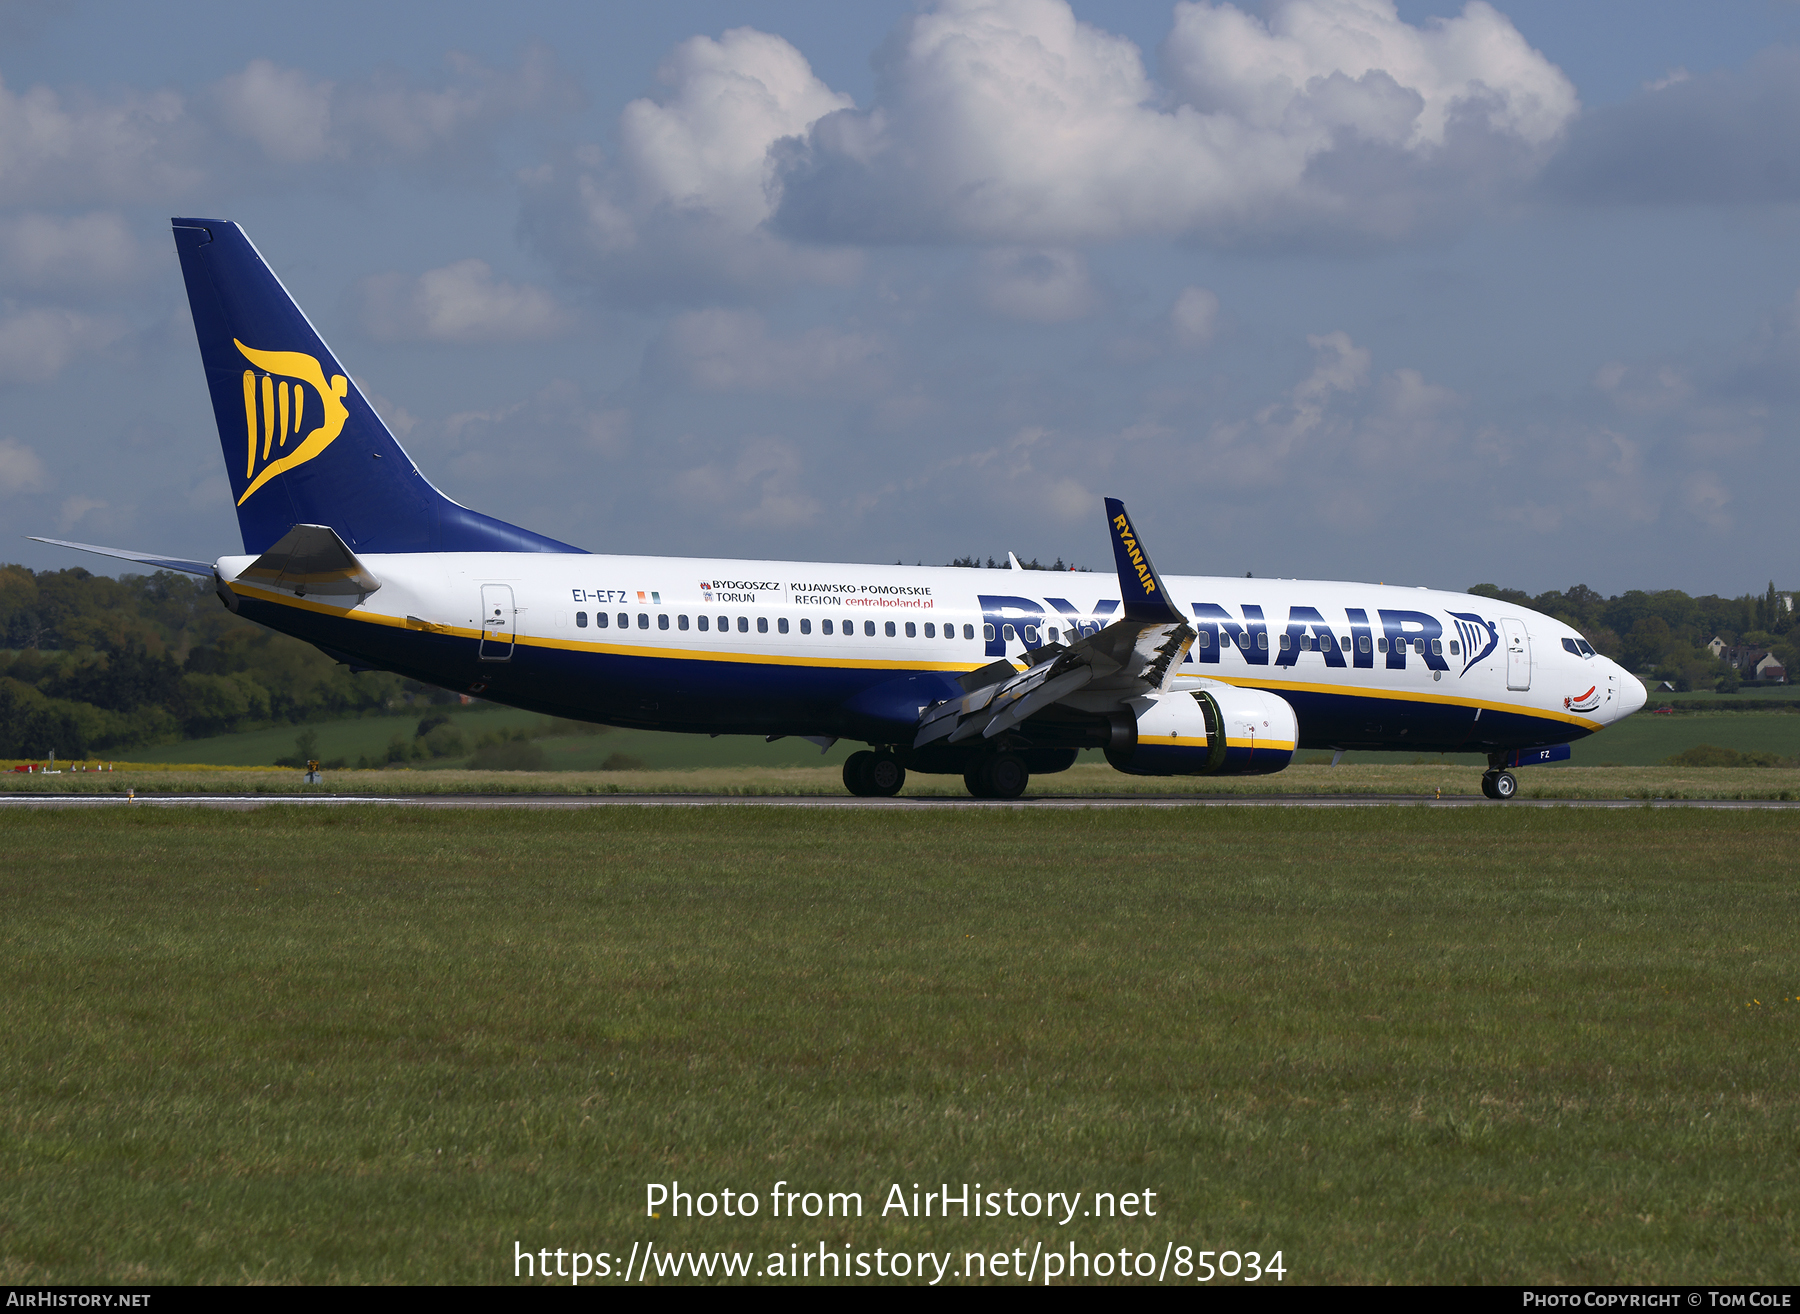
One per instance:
(1396, 1046)
(369, 736)
(1643, 740)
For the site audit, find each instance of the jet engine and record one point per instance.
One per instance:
(1217, 731)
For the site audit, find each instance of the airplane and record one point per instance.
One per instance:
(994, 675)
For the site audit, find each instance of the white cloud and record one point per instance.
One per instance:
(765, 488)
(1316, 67)
(77, 508)
(462, 302)
(20, 469)
(282, 110)
(681, 213)
(295, 118)
(49, 251)
(1040, 286)
(1194, 317)
(36, 345)
(59, 150)
(733, 351)
(1009, 120)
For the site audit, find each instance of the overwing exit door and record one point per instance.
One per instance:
(496, 623)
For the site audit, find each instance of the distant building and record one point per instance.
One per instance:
(1717, 646)
(1769, 669)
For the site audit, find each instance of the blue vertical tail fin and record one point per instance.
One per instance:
(302, 445)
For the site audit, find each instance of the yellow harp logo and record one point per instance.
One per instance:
(285, 408)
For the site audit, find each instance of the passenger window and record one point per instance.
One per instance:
(987, 632)
(743, 625)
(869, 629)
(599, 620)
(1362, 642)
(805, 625)
(1031, 634)
(624, 620)
(724, 624)
(1006, 632)
(643, 620)
(1380, 645)
(581, 620)
(890, 629)
(781, 624)
(912, 631)
(1205, 639)
(1455, 648)
(1287, 642)
(930, 630)
(681, 622)
(1053, 634)
(824, 627)
(762, 624)
(662, 620)
(1437, 647)
(969, 631)
(704, 623)
(1262, 642)
(1419, 646)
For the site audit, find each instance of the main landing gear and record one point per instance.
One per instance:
(880, 775)
(873, 775)
(1499, 784)
(1000, 775)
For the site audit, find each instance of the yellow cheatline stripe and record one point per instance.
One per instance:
(616, 650)
(1407, 696)
(757, 659)
(1178, 741)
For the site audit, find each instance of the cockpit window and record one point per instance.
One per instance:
(1569, 646)
(1587, 649)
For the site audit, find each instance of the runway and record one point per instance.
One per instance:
(245, 802)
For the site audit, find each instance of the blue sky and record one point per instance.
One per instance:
(1424, 293)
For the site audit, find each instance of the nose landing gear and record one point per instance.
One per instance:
(1499, 785)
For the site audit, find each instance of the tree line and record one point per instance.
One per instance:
(1665, 634)
(94, 665)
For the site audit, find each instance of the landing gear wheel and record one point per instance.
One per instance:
(973, 782)
(1005, 776)
(1487, 784)
(884, 775)
(1505, 786)
(856, 774)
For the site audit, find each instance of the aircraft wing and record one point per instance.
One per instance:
(142, 558)
(1133, 656)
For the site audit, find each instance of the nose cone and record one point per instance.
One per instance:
(1632, 694)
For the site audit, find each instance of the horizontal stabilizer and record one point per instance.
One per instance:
(182, 564)
(312, 559)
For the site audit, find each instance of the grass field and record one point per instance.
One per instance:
(1643, 740)
(1423, 780)
(1395, 1046)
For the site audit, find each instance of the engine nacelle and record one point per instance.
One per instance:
(1220, 731)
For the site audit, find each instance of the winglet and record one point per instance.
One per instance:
(1140, 587)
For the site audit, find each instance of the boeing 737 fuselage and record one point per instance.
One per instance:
(990, 674)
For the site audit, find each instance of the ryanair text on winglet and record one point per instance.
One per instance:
(1137, 558)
